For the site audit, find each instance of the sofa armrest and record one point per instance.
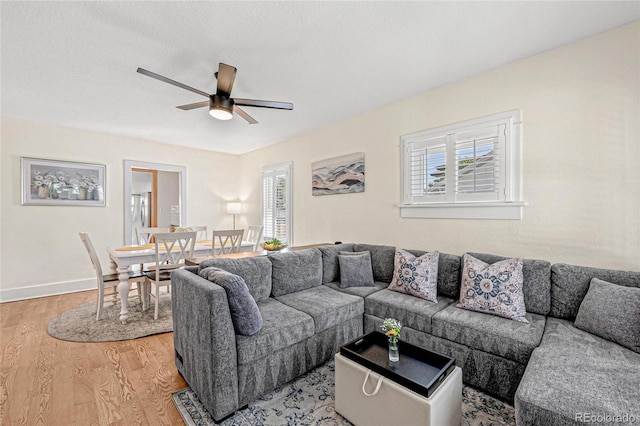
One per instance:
(205, 342)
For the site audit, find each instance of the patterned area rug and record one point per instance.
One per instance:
(79, 324)
(309, 399)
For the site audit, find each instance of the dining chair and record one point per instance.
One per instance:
(108, 284)
(254, 234)
(145, 235)
(200, 230)
(171, 251)
(225, 242)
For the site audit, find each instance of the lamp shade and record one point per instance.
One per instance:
(234, 208)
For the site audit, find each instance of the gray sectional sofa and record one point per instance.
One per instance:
(552, 371)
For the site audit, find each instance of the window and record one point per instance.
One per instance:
(465, 170)
(276, 202)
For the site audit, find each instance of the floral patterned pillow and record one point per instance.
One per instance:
(494, 289)
(416, 276)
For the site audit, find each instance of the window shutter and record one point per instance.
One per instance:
(281, 208)
(267, 207)
(479, 164)
(427, 164)
(276, 202)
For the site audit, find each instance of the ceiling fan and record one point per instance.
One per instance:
(221, 104)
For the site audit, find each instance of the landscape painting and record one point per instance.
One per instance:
(338, 175)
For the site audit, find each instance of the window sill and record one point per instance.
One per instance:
(479, 210)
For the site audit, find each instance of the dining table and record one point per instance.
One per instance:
(122, 258)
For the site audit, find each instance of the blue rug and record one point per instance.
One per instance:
(308, 400)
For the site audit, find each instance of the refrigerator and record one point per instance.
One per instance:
(140, 213)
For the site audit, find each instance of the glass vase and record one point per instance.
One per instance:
(394, 354)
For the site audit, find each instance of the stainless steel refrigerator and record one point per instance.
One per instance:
(140, 213)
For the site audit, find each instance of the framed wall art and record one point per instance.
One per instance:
(62, 183)
(338, 175)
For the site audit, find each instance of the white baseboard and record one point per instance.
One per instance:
(43, 290)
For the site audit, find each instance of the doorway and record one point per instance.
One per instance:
(144, 199)
(154, 195)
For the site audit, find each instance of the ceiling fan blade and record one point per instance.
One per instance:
(226, 75)
(263, 104)
(168, 80)
(244, 115)
(187, 107)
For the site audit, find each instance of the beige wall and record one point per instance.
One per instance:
(581, 151)
(581, 157)
(41, 251)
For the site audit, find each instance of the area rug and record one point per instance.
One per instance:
(309, 400)
(79, 324)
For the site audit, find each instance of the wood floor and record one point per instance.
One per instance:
(45, 381)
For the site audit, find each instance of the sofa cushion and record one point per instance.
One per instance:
(449, 266)
(245, 314)
(330, 265)
(569, 285)
(381, 260)
(355, 269)
(295, 271)
(611, 311)
(537, 282)
(574, 372)
(513, 340)
(282, 326)
(417, 276)
(326, 306)
(494, 289)
(358, 291)
(255, 271)
(411, 311)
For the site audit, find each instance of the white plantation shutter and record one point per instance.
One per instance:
(267, 206)
(476, 161)
(479, 164)
(427, 161)
(276, 203)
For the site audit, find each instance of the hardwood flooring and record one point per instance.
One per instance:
(45, 381)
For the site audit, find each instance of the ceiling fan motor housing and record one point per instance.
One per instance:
(221, 107)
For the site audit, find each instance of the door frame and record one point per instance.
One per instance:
(129, 166)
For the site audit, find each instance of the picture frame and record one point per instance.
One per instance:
(62, 183)
(338, 175)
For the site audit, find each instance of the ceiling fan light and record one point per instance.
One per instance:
(221, 113)
(221, 107)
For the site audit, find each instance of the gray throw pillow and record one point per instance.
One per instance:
(355, 269)
(245, 315)
(611, 311)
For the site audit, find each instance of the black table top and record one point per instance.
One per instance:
(418, 369)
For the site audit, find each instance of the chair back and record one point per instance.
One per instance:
(93, 256)
(225, 242)
(145, 235)
(173, 248)
(254, 234)
(200, 230)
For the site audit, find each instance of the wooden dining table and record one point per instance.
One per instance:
(122, 258)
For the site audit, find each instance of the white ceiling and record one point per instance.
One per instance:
(74, 63)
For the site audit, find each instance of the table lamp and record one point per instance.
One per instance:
(234, 209)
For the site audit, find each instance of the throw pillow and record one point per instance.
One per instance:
(611, 311)
(494, 289)
(355, 269)
(245, 315)
(417, 276)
